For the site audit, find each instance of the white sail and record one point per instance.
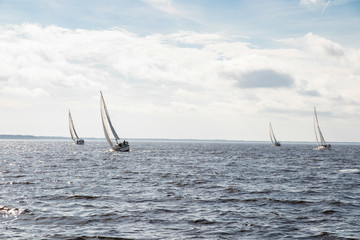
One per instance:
(73, 133)
(272, 136)
(108, 118)
(320, 140)
(106, 122)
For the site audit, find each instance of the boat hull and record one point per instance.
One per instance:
(118, 148)
(80, 142)
(324, 147)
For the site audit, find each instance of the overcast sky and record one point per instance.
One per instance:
(202, 69)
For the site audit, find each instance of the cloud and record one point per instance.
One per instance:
(312, 93)
(166, 6)
(322, 4)
(326, 5)
(189, 37)
(317, 44)
(21, 91)
(170, 82)
(264, 79)
(312, 2)
(317, 4)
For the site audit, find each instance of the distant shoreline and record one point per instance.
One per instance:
(8, 136)
(29, 137)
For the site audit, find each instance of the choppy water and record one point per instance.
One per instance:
(178, 190)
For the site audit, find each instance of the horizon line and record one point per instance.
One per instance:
(34, 137)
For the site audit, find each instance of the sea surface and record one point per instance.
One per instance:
(178, 190)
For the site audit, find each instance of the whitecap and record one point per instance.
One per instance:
(11, 212)
(355, 170)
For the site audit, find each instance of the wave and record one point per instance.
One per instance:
(273, 200)
(327, 235)
(327, 212)
(83, 197)
(13, 183)
(355, 170)
(202, 221)
(58, 236)
(12, 211)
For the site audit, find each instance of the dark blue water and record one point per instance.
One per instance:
(178, 190)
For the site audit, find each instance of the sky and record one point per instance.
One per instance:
(181, 69)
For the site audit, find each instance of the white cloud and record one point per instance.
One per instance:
(325, 49)
(312, 2)
(163, 5)
(316, 4)
(21, 91)
(171, 85)
(190, 37)
(317, 44)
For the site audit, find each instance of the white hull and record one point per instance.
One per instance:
(120, 149)
(326, 147)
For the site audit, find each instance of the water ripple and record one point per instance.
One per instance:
(178, 190)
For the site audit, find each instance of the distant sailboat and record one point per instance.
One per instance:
(105, 118)
(73, 133)
(272, 137)
(322, 143)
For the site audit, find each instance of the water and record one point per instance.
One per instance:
(178, 190)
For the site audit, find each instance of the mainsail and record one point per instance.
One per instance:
(107, 122)
(272, 136)
(319, 139)
(73, 133)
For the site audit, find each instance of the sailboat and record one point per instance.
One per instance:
(272, 137)
(106, 122)
(73, 133)
(321, 143)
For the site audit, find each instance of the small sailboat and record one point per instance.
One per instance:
(272, 137)
(321, 143)
(73, 133)
(106, 122)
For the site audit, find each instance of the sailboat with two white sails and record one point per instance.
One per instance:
(106, 122)
(73, 133)
(321, 143)
(272, 137)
